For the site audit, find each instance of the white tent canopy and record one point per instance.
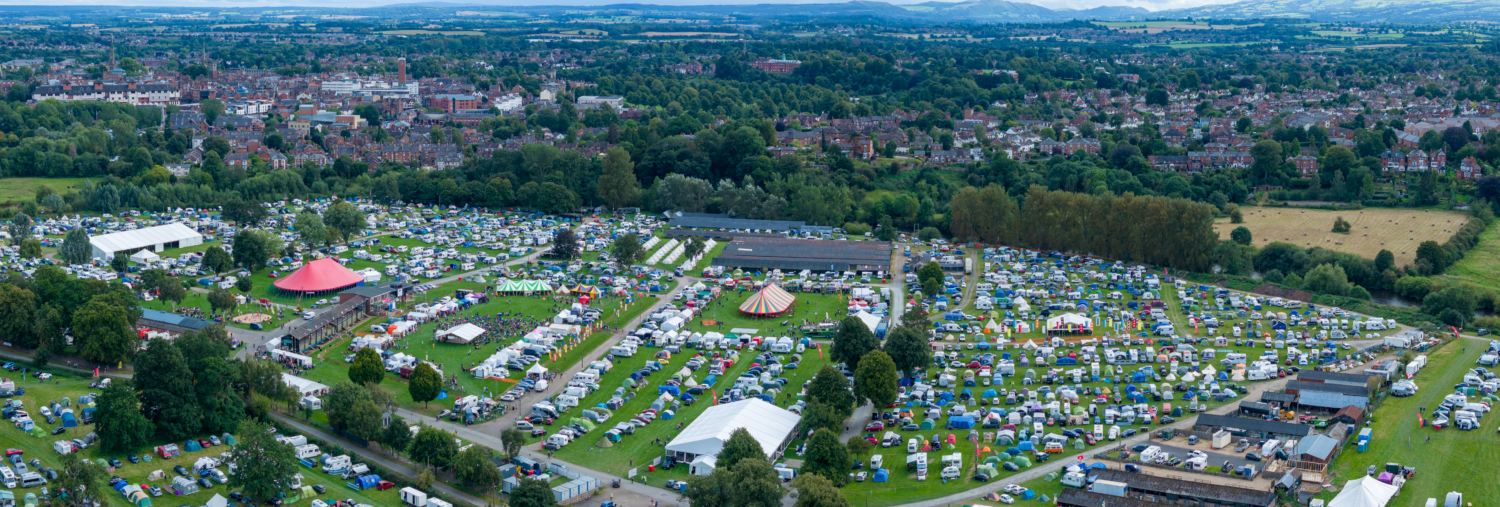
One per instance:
(1364, 492)
(536, 369)
(869, 319)
(217, 501)
(304, 386)
(769, 424)
(144, 256)
(463, 333)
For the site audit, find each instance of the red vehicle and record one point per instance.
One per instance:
(205, 443)
(12, 452)
(875, 426)
(384, 485)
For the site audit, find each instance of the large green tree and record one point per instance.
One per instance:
(909, 348)
(76, 248)
(346, 218)
(350, 407)
(310, 228)
(831, 388)
(532, 493)
(875, 380)
(254, 248)
(618, 185)
(739, 446)
(118, 420)
(86, 481)
(263, 466)
(367, 367)
(217, 260)
(827, 456)
(474, 468)
(433, 447)
(424, 384)
(104, 331)
(852, 342)
(627, 249)
(814, 490)
(397, 436)
(166, 385)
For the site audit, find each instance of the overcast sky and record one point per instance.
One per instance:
(1154, 5)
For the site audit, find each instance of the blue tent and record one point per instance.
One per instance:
(1025, 446)
(990, 393)
(1098, 465)
(882, 475)
(192, 446)
(1067, 361)
(960, 422)
(676, 391)
(1028, 494)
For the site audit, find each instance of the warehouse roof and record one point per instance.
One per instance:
(1273, 427)
(717, 221)
(1331, 401)
(171, 319)
(1070, 497)
(1329, 376)
(138, 238)
(1215, 493)
(812, 254)
(1317, 446)
(1304, 387)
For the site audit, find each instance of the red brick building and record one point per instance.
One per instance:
(775, 65)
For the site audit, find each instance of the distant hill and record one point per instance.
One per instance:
(1368, 11)
(976, 11)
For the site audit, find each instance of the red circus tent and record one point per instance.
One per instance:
(322, 275)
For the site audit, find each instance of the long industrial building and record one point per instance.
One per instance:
(810, 254)
(156, 239)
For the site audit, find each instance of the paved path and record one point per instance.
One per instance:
(378, 459)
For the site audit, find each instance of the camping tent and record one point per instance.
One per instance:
(144, 257)
(1364, 492)
(217, 501)
(463, 333)
(772, 300)
(156, 476)
(1070, 323)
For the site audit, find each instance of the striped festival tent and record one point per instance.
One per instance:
(771, 300)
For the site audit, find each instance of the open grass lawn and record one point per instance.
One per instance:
(454, 357)
(811, 307)
(1397, 230)
(1453, 460)
(24, 189)
(1479, 264)
(40, 447)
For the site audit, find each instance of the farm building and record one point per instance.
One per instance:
(1351, 415)
(1329, 377)
(170, 322)
(1070, 497)
(1316, 448)
(1299, 387)
(1167, 490)
(1241, 426)
(1330, 402)
(771, 426)
(718, 221)
(810, 254)
(156, 239)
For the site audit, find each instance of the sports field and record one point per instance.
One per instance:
(1478, 265)
(20, 189)
(1397, 230)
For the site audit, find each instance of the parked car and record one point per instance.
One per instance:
(180, 470)
(155, 490)
(205, 483)
(133, 458)
(320, 488)
(114, 462)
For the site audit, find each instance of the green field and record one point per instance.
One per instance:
(1478, 265)
(331, 369)
(1445, 463)
(40, 447)
(23, 189)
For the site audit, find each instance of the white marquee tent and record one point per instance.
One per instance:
(463, 333)
(771, 426)
(1364, 492)
(155, 239)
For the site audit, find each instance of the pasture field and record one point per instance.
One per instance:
(21, 189)
(1397, 230)
(1446, 462)
(1478, 265)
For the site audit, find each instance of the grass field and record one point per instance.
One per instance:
(40, 447)
(22, 189)
(1478, 265)
(1397, 230)
(454, 357)
(1446, 463)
